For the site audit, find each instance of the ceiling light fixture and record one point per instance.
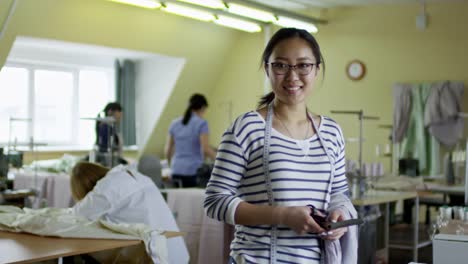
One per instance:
(140, 3)
(215, 4)
(290, 22)
(241, 14)
(188, 12)
(249, 12)
(237, 24)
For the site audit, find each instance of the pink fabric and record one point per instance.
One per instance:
(54, 188)
(60, 191)
(205, 236)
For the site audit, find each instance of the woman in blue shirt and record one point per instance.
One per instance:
(187, 142)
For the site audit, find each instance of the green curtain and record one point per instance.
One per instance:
(125, 86)
(419, 143)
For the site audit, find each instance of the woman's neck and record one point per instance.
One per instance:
(197, 112)
(290, 113)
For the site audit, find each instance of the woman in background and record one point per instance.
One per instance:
(123, 195)
(107, 134)
(188, 143)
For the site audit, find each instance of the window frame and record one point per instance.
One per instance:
(74, 69)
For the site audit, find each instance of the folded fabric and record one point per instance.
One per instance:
(64, 164)
(61, 222)
(400, 183)
(343, 250)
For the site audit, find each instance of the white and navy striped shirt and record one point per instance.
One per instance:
(300, 173)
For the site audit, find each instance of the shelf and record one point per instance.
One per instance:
(401, 236)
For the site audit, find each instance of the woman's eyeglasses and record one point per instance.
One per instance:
(282, 68)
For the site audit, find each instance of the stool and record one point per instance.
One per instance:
(431, 201)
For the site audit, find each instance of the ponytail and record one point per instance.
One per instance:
(196, 102)
(187, 115)
(266, 99)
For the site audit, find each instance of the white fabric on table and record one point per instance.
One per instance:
(63, 223)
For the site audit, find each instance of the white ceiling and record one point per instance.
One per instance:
(306, 4)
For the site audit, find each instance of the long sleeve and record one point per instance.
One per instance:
(221, 192)
(93, 206)
(340, 182)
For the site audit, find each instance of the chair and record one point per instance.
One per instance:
(150, 166)
(203, 174)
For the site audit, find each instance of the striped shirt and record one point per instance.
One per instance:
(300, 173)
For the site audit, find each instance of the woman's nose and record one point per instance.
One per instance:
(292, 74)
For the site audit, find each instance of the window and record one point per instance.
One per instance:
(14, 83)
(51, 102)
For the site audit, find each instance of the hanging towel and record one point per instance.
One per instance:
(401, 108)
(442, 109)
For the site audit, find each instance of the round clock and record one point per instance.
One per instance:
(356, 70)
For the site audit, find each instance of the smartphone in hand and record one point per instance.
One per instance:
(328, 225)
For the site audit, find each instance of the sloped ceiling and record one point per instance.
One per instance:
(296, 5)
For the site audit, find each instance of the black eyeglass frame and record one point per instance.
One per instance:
(290, 67)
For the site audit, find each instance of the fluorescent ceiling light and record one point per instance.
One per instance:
(188, 12)
(141, 3)
(289, 22)
(251, 12)
(216, 4)
(237, 24)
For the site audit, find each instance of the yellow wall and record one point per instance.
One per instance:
(4, 8)
(29, 156)
(241, 84)
(394, 50)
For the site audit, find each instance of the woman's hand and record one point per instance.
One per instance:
(335, 216)
(298, 219)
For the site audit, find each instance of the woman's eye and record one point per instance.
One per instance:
(280, 65)
(303, 65)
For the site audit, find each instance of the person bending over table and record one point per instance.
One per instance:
(123, 195)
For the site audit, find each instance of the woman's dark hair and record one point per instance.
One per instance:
(283, 34)
(196, 102)
(113, 106)
(84, 177)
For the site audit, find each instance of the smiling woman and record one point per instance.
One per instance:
(276, 163)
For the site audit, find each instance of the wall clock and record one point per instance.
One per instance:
(356, 70)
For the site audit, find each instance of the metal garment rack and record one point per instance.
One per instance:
(32, 144)
(361, 118)
(111, 122)
(465, 115)
(392, 153)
